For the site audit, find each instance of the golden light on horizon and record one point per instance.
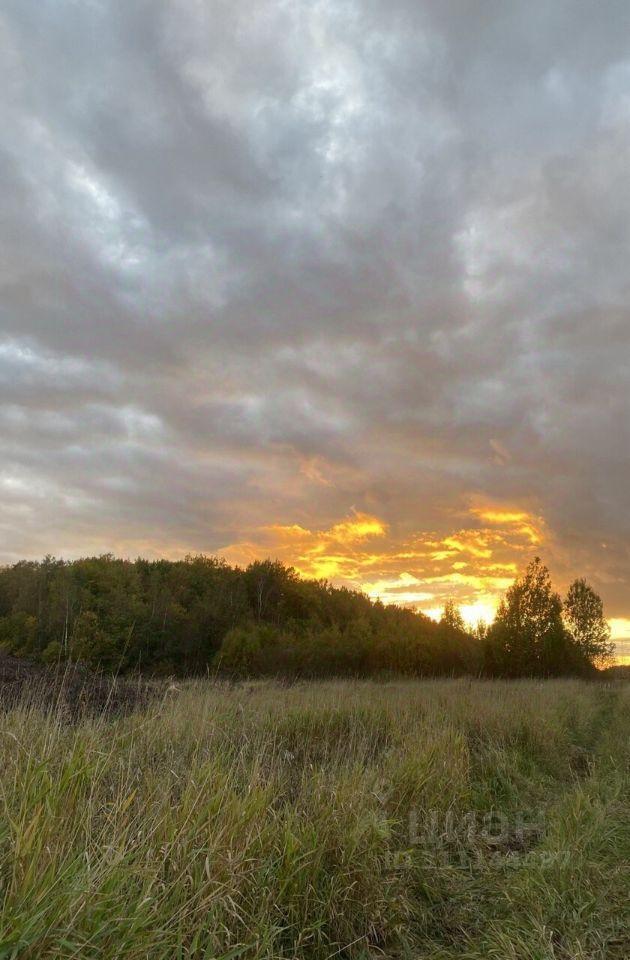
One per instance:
(620, 634)
(472, 613)
(473, 564)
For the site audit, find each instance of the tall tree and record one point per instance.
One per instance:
(452, 617)
(585, 621)
(528, 636)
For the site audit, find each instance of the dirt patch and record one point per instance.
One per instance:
(71, 689)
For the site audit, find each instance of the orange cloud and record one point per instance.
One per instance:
(530, 526)
(357, 529)
(474, 564)
(324, 554)
(314, 470)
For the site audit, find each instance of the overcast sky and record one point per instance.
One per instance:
(342, 282)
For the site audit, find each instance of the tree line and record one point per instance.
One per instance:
(200, 614)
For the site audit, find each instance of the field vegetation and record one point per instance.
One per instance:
(414, 819)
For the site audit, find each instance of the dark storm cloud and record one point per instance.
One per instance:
(268, 263)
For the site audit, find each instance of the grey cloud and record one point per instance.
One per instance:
(391, 237)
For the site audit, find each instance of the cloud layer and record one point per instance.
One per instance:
(269, 269)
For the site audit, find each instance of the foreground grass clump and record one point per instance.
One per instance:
(434, 819)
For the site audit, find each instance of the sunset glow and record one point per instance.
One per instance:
(473, 565)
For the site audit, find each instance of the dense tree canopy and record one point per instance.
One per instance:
(534, 635)
(200, 614)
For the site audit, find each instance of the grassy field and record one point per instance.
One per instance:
(434, 819)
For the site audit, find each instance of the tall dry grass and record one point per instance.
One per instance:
(433, 819)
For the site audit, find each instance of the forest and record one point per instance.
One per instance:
(200, 615)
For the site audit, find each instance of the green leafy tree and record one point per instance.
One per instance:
(18, 634)
(528, 636)
(586, 623)
(53, 652)
(266, 582)
(91, 644)
(245, 649)
(452, 617)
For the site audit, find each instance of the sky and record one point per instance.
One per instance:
(343, 282)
